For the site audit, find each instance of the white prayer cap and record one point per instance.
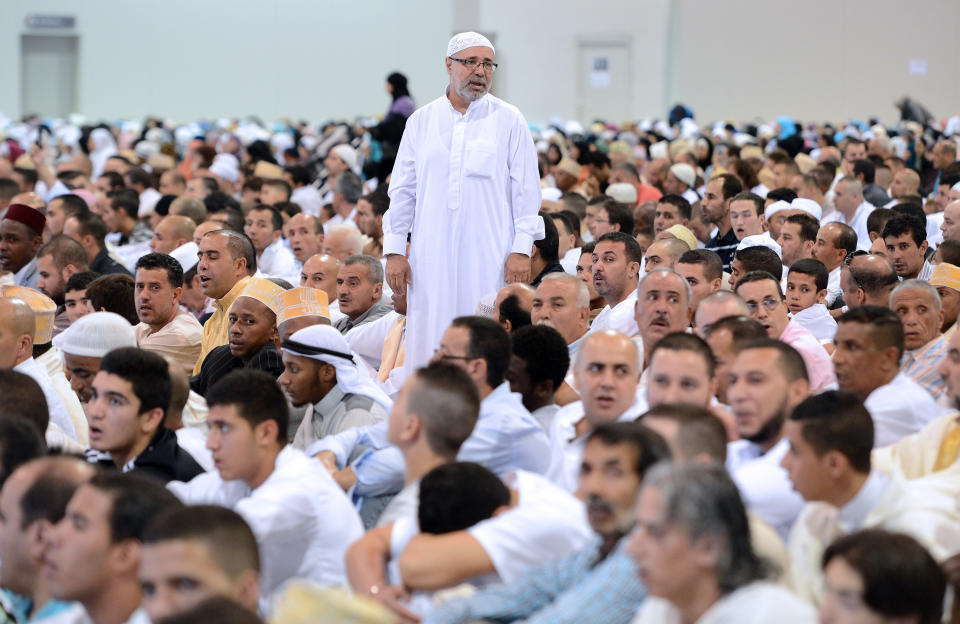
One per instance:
(186, 255)
(146, 149)
(659, 150)
(95, 335)
(684, 173)
(224, 170)
(776, 207)
(688, 128)
(955, 187)
(760, 240)
(347, 154)
(469, 39)
(808, 206)
(573, 127)
(485, 305)
(324, 343)
(623, 192)
(551, 194)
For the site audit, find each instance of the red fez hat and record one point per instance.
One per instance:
(30, 217)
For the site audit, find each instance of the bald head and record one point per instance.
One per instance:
(714, 307)
(171, 232)
(30, 199)
(320, 272)
(868, 280)
(205, 228)
(606, 374)
(343, 241)
(905, 182)
(664, 253)
(513, 305)
(17, 327)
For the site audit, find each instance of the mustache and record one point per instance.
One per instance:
(595, 503)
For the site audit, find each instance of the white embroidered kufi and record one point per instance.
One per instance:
(464, 40)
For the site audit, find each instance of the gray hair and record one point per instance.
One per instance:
(583, 293)
(911, 284)
(350, 186)
(853, 185)
(703, 500)
(686, 285)
(351, 234)
(374, 268)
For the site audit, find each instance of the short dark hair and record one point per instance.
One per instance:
(731, 184)
(80, 281)
(448, 405)
(218, 201)
(905, 224)
(126, 202)
(239, 245)
(115, 179)
(808, 226)
(510, 310)
(698, 430)
(753, 197)
(20, 441)
(650, 446)
(490, 342)
(90, 224)
(458, 495)
(682, 341)
(837, 421)
(709, 260)
(878, 219)
(545, 352)
(865, 168)
(135, 502)
(900, 578)
(214, 610)
(225, 533)
(950, 252)
(758, 276)
(681, 203)
(146, 371)
(790, 361)
(379, 201)
(276, 220)
(759, 258)
(549, 245)
(210, 183)
(576, 203)
(782, 194)
(299, 174)
(137, 175)
(8, 188)
(48, 495)
(23, 398)
(162, 261)
(72, 204)
(630, 245)
(886, 329)
(813, 268)
(114, 293)
(256, 396)
(620, 215)
(64, 250)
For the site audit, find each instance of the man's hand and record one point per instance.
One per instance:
(517, 268)
(329, 461)
(345, 478)
(393, 597)
(398, 273)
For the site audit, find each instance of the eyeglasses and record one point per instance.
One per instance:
(471, 64)
(443, 355)
(769, 304)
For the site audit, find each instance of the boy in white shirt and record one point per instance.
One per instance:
(806, 293)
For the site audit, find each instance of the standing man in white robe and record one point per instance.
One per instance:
(466, 186)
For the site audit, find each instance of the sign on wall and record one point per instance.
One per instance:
(35, 20)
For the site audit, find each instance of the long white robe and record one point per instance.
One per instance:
(467, 188)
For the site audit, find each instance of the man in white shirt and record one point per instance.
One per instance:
(305, 235)
(830, 438)
(834, 242)
(94, 551)
(174, 236)
(869, 345)
(264, 227)
(851, 209)
(663, 307)
(466, 186)
(537, 367)
(302, 520)
(606, 375)
(563, 303)
(616, 269)
(693, 552)
(767, 380)
(347, 191)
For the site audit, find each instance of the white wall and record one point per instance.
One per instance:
(817, 59)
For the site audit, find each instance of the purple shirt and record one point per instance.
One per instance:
(819, 366)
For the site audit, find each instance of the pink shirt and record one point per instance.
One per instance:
(819, 366)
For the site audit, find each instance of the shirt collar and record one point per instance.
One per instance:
(329, 403)
(855, 512)
(227, 300)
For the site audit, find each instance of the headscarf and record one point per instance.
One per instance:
(326, 344)
(104, 146)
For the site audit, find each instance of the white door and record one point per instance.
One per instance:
(604, 81)
(48, 75)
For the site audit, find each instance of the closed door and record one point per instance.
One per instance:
(604, 81)
(48, 70)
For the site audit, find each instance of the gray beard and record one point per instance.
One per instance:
(468, 95)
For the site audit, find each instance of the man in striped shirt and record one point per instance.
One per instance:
(918, 305)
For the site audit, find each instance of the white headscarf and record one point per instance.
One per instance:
(104, 146)
(324, 343)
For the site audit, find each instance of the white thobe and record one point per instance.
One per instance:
(764, 484)
(308, 198)
(620, 317)
(467, 187)
(756, 603)
(302, 519)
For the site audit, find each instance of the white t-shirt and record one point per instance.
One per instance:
(620, 317)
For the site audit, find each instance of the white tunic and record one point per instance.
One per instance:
(278, 261)
(301, 518)
(898, 409)
(466, 186)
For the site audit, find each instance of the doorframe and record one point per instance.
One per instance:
(614, 41)
(72, 34)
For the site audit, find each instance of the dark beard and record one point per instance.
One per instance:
(770, 430)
